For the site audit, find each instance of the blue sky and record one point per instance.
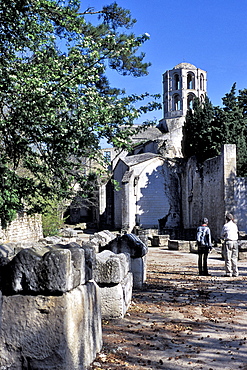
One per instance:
(211, 34)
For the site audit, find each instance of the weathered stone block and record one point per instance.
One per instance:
(112, 274)
(242, 256)
(242, 245)
(160, 241)
(68, 233)
(102, 237)
(179, 245)
(7, 252)
(50, 240)
(138, 269)
(116, 299)
(152, 232)
(127, 243)
(127, 285)
(111, 268)
(44, 270)
(40, 332)
(146, 235)
(130, 244)
(242, 248)
(155, 241)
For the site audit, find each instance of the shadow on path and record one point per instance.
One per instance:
(180, 320)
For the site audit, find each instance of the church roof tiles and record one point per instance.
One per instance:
(138, 158)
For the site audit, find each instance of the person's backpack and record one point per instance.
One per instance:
(202, 236)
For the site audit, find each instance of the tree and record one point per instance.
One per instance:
(207, 128)
(55, 99)
(203, 131)
(242, 101)
(235, 119)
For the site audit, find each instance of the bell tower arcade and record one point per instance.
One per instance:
(180, 86)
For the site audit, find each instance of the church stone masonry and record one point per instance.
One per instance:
(149, 191)
(159, 189)
(180, 86)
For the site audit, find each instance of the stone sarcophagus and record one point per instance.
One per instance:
(50, 314)
(132, 245)
(113, 276)
(44, 270)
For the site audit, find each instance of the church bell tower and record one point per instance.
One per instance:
(180, 86)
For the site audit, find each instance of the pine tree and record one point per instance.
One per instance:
(235, 118)
(203, 131)
(207, 128)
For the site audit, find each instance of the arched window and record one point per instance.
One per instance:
(201, 82)
(190, 80)
(202, 98)
(176, 102)
(190, 100)
(176, 81)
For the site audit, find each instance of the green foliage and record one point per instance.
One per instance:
(10, 202)
(203, 131)
(56, 102)
(207, 128)
(116, 185)
(52, 219)
(236, 124)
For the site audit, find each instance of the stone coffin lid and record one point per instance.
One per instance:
(111, 268)
(102, 238)
(128, 243)
(41, 270)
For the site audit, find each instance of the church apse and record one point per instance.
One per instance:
(155, 199)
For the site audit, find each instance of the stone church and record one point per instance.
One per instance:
(161, 190)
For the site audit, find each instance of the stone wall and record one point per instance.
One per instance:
(241, 203)
(208, 190)
(174, 195)
(158, 193)
(149, 195)
(213, 194)
(23, 228)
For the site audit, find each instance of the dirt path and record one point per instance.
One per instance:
(180, 320)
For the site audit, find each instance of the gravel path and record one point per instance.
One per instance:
(180, 320)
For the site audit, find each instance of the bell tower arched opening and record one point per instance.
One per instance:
(201, 82)
(190, 99)
(190, 81)
(176, 82)
(177, 105)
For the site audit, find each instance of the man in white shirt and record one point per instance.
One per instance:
(230, 235)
